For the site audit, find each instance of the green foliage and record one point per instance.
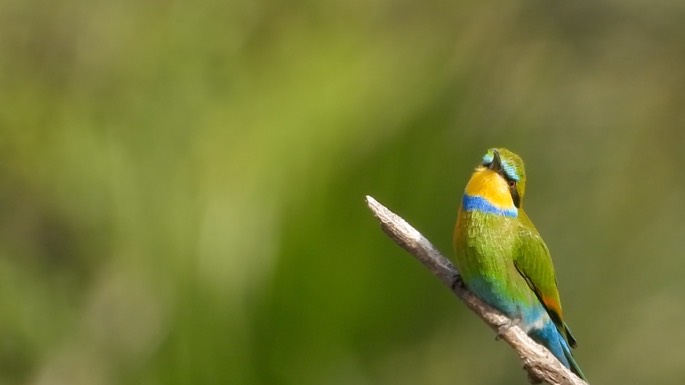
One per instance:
(182, 183)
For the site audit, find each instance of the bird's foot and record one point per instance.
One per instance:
(457, 282)
(506, 326)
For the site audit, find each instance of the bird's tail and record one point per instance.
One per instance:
(550, 337)
(572, 364)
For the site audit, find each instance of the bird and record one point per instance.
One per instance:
(502, 258)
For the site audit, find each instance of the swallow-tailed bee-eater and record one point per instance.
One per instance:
(502, 258)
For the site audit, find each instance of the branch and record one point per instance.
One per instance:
(540, 364)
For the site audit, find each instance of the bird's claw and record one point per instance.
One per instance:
(457, 282)
(504, 327)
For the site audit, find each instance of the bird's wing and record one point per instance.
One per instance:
(534, 263)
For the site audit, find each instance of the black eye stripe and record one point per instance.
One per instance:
(515, 196)
(507, 177)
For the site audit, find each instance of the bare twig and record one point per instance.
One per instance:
(540, 364)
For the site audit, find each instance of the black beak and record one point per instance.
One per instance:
(496, 164)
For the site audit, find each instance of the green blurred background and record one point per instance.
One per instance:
(182, 185)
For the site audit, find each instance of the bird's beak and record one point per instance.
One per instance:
(496, 164)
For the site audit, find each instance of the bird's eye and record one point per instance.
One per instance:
(512, 183)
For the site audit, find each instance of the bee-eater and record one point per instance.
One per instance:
(502, 258)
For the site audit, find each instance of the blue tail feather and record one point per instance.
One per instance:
(550, 337)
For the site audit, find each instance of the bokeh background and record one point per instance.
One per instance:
(182, 185)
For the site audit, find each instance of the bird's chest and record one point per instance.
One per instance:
(486, 245)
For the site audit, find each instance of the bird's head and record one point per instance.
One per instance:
(500, 179)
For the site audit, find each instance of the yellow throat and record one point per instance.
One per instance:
(490, 186)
